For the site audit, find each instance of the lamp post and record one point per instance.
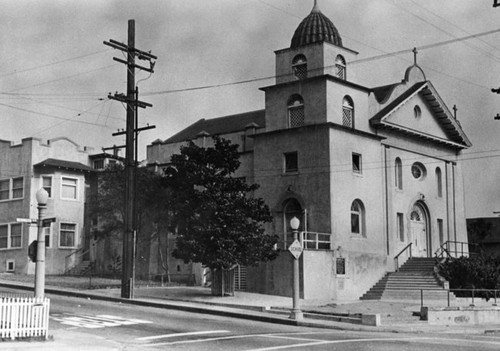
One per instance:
(41, 198)
(296, 312)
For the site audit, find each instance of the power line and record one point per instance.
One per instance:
(372, 58)
(451, 23)
(72, 119)
(54, 116)
(495, 58)
(51, 64)
(59, 79)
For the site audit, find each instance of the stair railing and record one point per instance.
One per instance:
(396, 258)
(77, 254)
(454, 249)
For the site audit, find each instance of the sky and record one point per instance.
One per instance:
(214, 55)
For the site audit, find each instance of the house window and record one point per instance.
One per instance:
(47, 232)
(401, 227)
(348, 112)
(17, 188)
(11, 265)
(12, 188)
(67, 235)
(4, 189)
(47, 184)
(291, 162)
(340, 67)
(356, 163)
(296, 114)
(418, 171)
(11, 236)
(4, 236)
(358, 218)
(340, 266)
(439, 182)
(99, 164)
(398, 176)
(299, 67)
(16, 235)
(69, 188)
(440, 231)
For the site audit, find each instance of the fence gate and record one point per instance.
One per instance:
(240, 278)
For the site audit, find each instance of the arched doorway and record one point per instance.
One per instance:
(419, 230)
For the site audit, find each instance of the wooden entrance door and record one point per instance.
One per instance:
(418, 231)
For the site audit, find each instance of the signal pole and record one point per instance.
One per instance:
(132, 102)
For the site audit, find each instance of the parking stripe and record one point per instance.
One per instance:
(154, 337)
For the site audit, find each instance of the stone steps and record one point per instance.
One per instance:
(414, 278)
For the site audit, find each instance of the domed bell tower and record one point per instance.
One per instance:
(316, 49)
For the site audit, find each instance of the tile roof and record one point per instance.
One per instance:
(378, 117)
(220, 125)
(315, 28)
(384, 92)
(69, 165)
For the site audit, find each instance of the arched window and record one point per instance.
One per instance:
(340, 67)
(439, 182)
(398, 176)
(347, 112)
(295, 111)
(299, 67)
(358, 218)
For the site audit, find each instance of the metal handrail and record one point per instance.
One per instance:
(396, 258)
(66, 259)
(445, 249)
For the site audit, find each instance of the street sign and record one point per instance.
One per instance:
(295, 249)
(26, 220)
(46, 221)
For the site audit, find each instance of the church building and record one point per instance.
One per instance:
(370, 172)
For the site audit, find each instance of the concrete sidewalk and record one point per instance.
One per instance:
(395, 316)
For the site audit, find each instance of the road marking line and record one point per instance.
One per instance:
(201, 340)
(326, 342)
(290, 338)
(154, 337)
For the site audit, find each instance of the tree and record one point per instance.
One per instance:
(217, 219)
(474, 272)
(108, 204)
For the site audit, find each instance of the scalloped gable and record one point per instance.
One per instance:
(436, 122)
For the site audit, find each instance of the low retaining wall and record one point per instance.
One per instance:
(460, 315)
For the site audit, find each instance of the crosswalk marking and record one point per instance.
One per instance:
(154, 337)
(94, 322)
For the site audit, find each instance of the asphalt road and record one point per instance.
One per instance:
(143, 328)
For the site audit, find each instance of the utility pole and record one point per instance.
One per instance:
(131, 131)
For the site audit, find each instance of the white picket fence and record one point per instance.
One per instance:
(22, 317)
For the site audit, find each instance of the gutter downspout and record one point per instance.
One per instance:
(386, 199)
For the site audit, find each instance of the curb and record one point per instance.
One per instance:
(234, 312)
(197, 307)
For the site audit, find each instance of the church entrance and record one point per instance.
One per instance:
(419, 231)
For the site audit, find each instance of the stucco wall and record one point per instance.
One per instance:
(15, 161)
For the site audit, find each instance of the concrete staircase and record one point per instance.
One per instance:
(82, 268)
(406, 284)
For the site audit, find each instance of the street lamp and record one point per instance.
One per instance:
(296, 312)
(41, 197)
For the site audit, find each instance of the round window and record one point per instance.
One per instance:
(418, 170)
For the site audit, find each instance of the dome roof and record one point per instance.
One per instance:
(315, 28)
